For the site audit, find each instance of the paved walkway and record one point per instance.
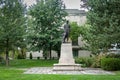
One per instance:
(49, 70)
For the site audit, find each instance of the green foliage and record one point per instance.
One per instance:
(20, 56)
(46, 16)
(87, 37)
(12, 25)
(113, 55)
(104, 18)
(85, 62)
(74, 31)
(97, 61)
(12, 22)
(110, 64)
(2, 60)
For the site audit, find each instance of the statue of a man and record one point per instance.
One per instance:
(66, 32)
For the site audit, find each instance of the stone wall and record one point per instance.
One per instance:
(84, 53)
(37, 54)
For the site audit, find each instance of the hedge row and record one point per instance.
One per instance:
(110, 64)
(86, 62)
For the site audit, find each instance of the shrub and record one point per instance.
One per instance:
(110, 64)
(31, 56)
(97, 61)
(20, 56)
(113, 55)
(1, 58)
(86, 62)
(38, 58)
(2, 61)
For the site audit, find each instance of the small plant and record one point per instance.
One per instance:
(110, 64)
(113, 55)
(31, 56)
(38, 58)
(97, 61)
(86, 62)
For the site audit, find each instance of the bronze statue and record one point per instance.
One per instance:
(66, 32)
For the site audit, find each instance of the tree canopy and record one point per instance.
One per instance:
(104, 24)
(12, 24)
(74, 32)
(47, 18)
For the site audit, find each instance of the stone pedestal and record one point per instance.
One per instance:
(66, 61)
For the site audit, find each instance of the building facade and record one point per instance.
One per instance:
(75, 15)
(79, 16)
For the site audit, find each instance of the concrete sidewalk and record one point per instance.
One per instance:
(49, 70)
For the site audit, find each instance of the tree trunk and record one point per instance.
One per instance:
(50, 51)
(45, 54)
(7, 58)
(22, 52)
(7, 53)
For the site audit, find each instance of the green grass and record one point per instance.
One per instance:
(24, 63)
(14, 73)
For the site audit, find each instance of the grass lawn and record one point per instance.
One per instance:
(13, 72)
(32, 63)
(27, 63)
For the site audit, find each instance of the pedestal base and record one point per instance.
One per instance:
(66, 61)
(67, 67)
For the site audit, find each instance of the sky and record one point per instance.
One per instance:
(70, 4)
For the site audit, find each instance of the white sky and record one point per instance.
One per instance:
(70, 4)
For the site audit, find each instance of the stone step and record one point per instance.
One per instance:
(67, 67)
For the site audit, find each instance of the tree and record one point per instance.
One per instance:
(45, 32)
(104, 20)
(74, 32)
(88, 38)
(12, 27)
